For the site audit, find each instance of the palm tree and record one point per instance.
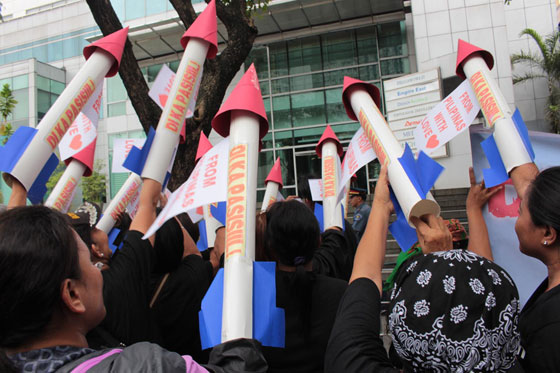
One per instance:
(7, 105)
(546, 65)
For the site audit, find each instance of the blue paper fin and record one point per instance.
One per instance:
(522, 130)
(39, 187)
(319, 215)
(219, 211)
(14, 148)
(422, 173)
(165, 181)
(210, 314)
(137, 157)
(403, 233)
(496, 174)
(269, 321)
(343, 221)
(428, 171)
(202, 243)
(112, 237)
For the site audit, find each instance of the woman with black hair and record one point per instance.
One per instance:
(310, 300)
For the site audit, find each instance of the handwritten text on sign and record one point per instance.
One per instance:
(373, 138)
(62, 202)
(236, 214)
(182, 97)
(329, 177)
(448, 119)
(162, 87)
(358, 154)
(127, 196)
(206, 184)
(486, 98)
(70, 113)
(121, 148)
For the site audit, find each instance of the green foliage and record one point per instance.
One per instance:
(7, 102)
(94, 187)
(545, 64)
(51, 183)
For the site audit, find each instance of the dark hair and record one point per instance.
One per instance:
(191, 227)
(303, 185)
(261, 254)
(543, 199)
(292, 233)
(84, 231)
(38, 251)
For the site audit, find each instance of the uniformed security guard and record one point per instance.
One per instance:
(361, 213)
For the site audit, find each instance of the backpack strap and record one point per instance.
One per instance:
(86, 365)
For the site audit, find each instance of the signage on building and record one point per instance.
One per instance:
(408, 99)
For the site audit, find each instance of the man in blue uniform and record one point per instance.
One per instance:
(361, 210)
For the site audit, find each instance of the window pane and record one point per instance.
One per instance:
(339, 49)
(299, 83)
(308, 108)
(43, 103)
(114, 110)
(54, 51)
(155, 6)
(115, 89)
(174, 65)
(264, 87)
(337, 77)
(266, 160)
(135, 9)
(267, 141)
(282, 115)
(118, 6)
(21, 110)
(304, 55)
(266, 102)
(367, 45)
(278, 59)
(370, 72)
(20, 82)
(308, 136)
(392, 39)
(346, 131)
(258, 57)
(43, 83)
(335, 108)
(70, 47)
(287, 165)
(280, 85)
(152, 72)
(41, 53)
(57, 87)
(396, 66)
(284, 138)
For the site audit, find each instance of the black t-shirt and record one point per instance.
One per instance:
(335, 256)
(176, 308)
(304, 349)
(539, 325)
(126, 292)
(355, 344)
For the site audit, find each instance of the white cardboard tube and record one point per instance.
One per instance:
(270, 194)
(237, 315)
(60, 116)
(497, 113)
(118, 204)
(346, 200)
(388, 150)
(64, 190)
(175, 110)
(332, 217)
(212, 224)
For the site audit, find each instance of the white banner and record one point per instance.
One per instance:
(449, 118)
(121, 148)
(206, 184)
(162, 85)
(358, 154)
(84, 128)
(316, 188)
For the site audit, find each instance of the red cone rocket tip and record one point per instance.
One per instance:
(466, 50)
(113, 44)
(328, 135)
(204, 27)
(370, 88)
(203, 146)
(275, 173)
(86, 156)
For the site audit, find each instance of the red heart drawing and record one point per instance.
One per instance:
(163, 100)
(76, 142)
(432, 142)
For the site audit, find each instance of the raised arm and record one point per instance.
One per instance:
(522, 176)
(370, 254)
(146, 215)
(18, 197)
(479, 242)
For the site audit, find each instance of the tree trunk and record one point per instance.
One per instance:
(218, 73)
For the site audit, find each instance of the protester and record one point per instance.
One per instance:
(309, 300)
(43, 322)
(450, 310)
(361, 210)
(336, 252)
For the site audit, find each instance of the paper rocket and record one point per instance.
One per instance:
(370, 88)
(204, 27)
(245, 96)
(329, 134)
(85, 156)
(203, 146)
(275, 173)
(465, 50)
(113, 44)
